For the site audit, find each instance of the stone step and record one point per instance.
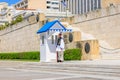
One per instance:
(110, 56)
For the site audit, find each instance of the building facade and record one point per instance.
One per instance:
(84, 6)
(52, 5)
(5, 13)
(79, 6)
(38, 4)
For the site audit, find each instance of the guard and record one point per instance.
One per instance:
(60, 48)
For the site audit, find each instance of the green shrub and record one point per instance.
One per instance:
(19, 18)
(30, 55)
(7, 24)
(13, 22)
(72, 54)
(21, 55)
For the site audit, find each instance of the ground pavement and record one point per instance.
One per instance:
(69, 70)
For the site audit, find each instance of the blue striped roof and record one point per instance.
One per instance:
(48, 25)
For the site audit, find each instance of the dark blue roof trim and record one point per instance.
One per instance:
(48, 25)
(61, 25)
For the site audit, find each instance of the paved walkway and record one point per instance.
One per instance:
(71, 70)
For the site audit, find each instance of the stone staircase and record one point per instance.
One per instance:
(109, 53)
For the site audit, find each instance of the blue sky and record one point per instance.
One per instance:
(10, 1)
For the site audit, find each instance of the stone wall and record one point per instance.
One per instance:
(107, 3)
(20, 37)
(102, 24)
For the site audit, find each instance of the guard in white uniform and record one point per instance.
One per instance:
(60, 48)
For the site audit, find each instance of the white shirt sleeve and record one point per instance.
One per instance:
(62, 45)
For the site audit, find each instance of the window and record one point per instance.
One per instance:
(111, 4)
(87, 48)
(9, 14)
(22, 3)
(48, 7)
(48, 32)
(15, 6)
(56, 39)
(65, 39)
(55, 3)
(48, 2)
(26, 7)
(26, 1)
(43, 22)
(52, 39)
(37, 18)
(55, 8)
(18, 5)
(43, 39)
(70, 37)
